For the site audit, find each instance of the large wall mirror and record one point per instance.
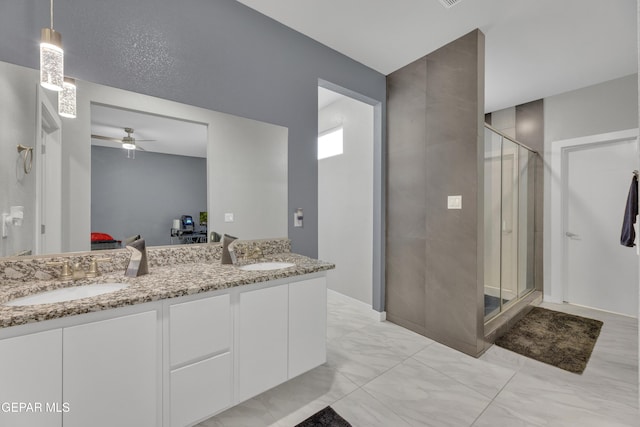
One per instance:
(193, 160)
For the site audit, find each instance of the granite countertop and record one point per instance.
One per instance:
(161, 283)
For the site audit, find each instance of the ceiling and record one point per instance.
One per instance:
(534, 48)
(170, 136)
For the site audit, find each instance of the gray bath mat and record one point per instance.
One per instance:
(559, 339)
(325, 418)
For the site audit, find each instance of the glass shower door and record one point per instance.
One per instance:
(509, 223)
(492, 215)
(509, 234)
(526, 212)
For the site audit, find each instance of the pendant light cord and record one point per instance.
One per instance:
(51, 7)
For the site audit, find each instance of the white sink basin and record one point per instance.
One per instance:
(67, 294)
(264, 266)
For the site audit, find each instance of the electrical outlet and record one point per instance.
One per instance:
(228, 217)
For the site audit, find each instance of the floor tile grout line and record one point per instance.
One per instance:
(461, 383)
(277, 420)
(387, 407)
(494, 398)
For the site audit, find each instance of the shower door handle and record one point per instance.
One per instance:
(572, 236)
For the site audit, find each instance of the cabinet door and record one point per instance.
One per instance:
(110, 372)
(200, 390)
(262, 340)
(307, 325)
(199, 328)
(31, 372)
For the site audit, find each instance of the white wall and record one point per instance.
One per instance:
(606, 107)
(345, 200)
(248, 177)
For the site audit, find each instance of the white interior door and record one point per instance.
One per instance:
(599, 272)
(49, 179)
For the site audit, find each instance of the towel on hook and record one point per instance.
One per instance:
(628, 235)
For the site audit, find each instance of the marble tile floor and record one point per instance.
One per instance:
(381, 375)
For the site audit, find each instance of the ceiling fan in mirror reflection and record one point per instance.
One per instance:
(128, 142)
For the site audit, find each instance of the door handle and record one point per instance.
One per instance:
(572, 236)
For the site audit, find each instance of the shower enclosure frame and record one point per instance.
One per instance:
(527, 228)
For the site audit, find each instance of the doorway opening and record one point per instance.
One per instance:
(48, 223)
(349, 194)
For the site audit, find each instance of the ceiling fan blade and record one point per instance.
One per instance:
(144, 140)
(140, 148)
(106, 138)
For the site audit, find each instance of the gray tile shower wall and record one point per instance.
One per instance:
(530, 131)
(435, 113)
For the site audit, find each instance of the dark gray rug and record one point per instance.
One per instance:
(559, 339)
(325, 418)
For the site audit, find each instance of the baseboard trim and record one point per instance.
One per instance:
(379, 316)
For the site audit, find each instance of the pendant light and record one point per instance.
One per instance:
(51, 57)
(67, 99)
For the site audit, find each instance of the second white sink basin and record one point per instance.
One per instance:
(263, 266)
(67, 294)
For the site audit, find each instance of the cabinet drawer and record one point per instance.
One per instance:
(199, 328)
(200, 390)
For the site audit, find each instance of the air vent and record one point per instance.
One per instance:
(449, 3)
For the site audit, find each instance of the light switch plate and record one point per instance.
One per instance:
(228, 217)
(454, 202)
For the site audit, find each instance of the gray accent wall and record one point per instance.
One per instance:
(143, 195)
(219, 55)
(434, 255)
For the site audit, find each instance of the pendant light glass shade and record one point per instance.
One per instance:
(51, 60)
(67, 99)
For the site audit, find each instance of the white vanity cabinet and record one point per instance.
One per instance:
(201, 367)
(281, 334)
(30, 374)
(307, 325)
(110, 372)
(262, 340)
(168, 363)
